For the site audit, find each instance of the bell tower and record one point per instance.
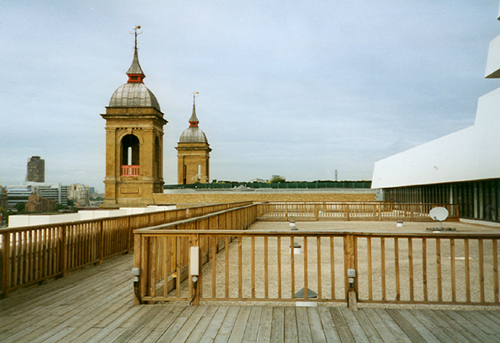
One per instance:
(134, 142)
(193, 153)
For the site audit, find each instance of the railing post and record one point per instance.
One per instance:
(247, 217)
(350, 263)
(6, 271)
(63, 251)
(195, 287)
(130, 242)
(143, 287)
(137, 264)
(101, 245)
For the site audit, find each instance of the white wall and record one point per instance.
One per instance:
(469, 154)
(43, 219)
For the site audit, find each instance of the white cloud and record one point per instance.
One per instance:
(295, 88)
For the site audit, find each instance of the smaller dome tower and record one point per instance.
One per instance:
(193, 153)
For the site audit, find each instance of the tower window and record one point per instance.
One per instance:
(130, 156)
(157, 160)
(130, 150)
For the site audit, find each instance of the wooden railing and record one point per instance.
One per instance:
(32, 254)
(436, 268)
(255, 265)
(351, 211)
(164, 259)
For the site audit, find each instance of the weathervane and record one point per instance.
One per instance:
(136, 34)
(194, 95)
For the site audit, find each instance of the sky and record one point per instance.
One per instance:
(292, 88)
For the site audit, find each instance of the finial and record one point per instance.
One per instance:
(136, 34)
(193, 121)
(135, 72)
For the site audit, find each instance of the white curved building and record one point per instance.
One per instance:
(460, 168)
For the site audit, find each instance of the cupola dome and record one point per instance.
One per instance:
(134, 93)
(193, 134)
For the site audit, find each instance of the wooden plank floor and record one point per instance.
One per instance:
(94, 305)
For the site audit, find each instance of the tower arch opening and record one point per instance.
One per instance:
(130, 156)
(157, 158)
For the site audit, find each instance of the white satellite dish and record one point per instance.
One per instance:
(439, 214)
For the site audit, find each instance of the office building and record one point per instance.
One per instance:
(36, 169)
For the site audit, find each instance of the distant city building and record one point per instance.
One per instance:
(3, 198)
(36, 169)
(79, 194)
(38, 204)
(52, 191)
(193, 154)
(17, 194)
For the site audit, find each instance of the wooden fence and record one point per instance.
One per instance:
(376, 210)
(32, 254)
(263, 266)
(163, 260)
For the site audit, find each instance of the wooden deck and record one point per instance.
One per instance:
(95, 305)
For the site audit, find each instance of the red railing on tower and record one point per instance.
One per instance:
(130, 171)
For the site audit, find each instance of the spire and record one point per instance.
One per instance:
(193, 121)
(135, 73)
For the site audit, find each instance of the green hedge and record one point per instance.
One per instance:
(277, 185)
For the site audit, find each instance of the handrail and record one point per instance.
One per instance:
(166, 262)
(260, 265)
(152, 231)
(371, 210)
(35, 253)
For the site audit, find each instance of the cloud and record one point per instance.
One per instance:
(299, 89)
